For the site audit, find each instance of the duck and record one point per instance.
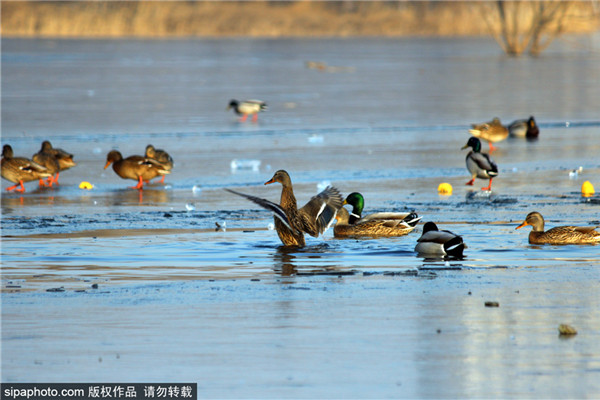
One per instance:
(64, 158)
(247, 107)
(162, 157)
(526, 128)
(20, 169)
(382, 227)
(135, 167)
(559, 234)
(291, 222)
(46, 158)
(357, 201)
(479, 164)
(434, 242)
(492, 131)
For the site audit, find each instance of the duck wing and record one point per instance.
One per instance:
(23, 168)
(276, 209)
(319, 213)
(439, 237)
(586, 229)
(484, 162)
(409, 219)
(150, 162)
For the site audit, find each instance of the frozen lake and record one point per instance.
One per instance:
(237, 313)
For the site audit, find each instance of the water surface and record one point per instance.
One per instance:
(232, 310)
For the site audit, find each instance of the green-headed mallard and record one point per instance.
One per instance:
(377, 227)
(162, 157)
(290, 222)
(526, 128)
(391, 223)
(247, 107)
(479, 164)
(434, 242)
(47, 158)
(137, 168)
(20, 169)
(492, 132)
(559, 234)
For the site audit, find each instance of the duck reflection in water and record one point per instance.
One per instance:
(288, 260)
(147, 196)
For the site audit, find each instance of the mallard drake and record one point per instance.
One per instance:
(290, 222)
(20, 169)
(492, 132)
(369, 227)
(247, 107)
(47, 158)
(137, 168)
(434, 242)
(479, 164)
(162, 157)
(357, 201)
(524, 128)
(559, 234)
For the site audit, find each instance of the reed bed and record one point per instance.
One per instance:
(254, 18)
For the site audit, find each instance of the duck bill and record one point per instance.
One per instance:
(270, 181)
(107, 164)
(345, 202)
(522, 225)
(464, 147)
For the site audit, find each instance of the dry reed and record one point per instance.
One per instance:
(252, 18)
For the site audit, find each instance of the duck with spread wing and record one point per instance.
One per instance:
(292, 222)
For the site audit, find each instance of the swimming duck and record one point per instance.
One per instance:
(370, 227)
(137, 168)
(247, 107)
(559, 234)
(434, 242)
(524, 128)
(357, 201)
(46, 158)
(479, 164)
(290, 222)
(492, 132)
(162, 157)
(20, 169)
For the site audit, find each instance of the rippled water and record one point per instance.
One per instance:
(389, 123)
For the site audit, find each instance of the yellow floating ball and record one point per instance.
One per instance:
(587, 189)
(86, 185)
(445, 189)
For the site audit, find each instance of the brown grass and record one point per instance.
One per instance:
(254, 18)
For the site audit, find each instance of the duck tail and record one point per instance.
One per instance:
(412, 219)
(454, 247)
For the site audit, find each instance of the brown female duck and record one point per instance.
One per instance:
(137, 168)
(65, 159)
(20, 169)
(162, 157)
(559, 234)
(492, 132)
(290, 222)
(47, 158)
(369, 227)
